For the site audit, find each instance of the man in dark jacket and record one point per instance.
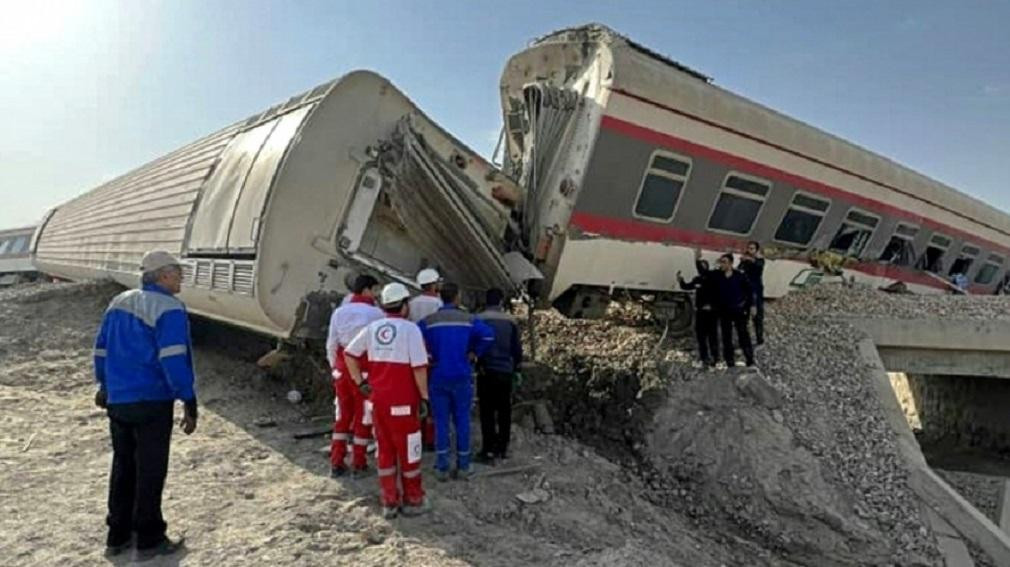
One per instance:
(706, 319)
(143, 363)
(752, 264)
(735, 300)
(494, 382)
(454, 338)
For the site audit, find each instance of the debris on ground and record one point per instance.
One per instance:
(657, 461)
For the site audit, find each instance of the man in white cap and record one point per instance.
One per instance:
(428, 301)
(143, 363)
(393, 350)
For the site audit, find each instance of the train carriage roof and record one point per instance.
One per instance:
(647, 74)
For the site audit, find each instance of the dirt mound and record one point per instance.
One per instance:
(616, 385)
(724, 450)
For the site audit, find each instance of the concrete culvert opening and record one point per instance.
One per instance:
(962, 423)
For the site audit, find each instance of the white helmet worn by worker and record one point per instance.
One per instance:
(428, 276)
(157, 259)
(394, 293)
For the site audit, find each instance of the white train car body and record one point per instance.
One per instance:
(273, 215)
(15, 262)
(630, 160)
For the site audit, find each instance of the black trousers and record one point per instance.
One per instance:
(759, 316)
(141, 434)
(495, 392)
(706, 330)
(730, 321)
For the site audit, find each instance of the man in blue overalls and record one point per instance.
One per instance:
(455, 338)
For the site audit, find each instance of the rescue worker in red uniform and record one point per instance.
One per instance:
(398, 385)
(352, 411)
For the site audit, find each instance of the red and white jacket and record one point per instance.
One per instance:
(394, 348)
(345, 323)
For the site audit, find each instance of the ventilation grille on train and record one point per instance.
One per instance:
(233, 276)
(203, 274)
(221, 276)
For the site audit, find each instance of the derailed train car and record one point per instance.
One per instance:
(273, 215)
(15, 261)
(630, 160)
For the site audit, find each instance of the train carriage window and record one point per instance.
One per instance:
(19, 246)
(739, 203)
(989, 270)
(962, 265)
(802, 219)
(662, 186)
(932, 259)
(4, 245)
(899, 250)
(855, 233)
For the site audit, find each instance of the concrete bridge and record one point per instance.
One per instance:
(950, 366)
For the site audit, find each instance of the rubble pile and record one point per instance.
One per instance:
(661, 461)
(826, 444)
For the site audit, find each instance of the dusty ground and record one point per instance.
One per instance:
(244, 494)
(659, 462)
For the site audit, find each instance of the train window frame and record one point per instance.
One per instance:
(650, 170)
(845, 220)
(995, 260)
(5, 243)
(743, 194)
(19, 244)
(792, 204)
(963, 255)
(944, 248)
(910, 239)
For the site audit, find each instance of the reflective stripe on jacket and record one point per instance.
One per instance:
(451, 335)
(143, 350)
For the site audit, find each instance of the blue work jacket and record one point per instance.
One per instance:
(143, 350)
(451, 334)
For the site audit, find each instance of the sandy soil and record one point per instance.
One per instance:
(243, 494)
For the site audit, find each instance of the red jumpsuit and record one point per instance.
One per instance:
(352, 411)
(394, 348)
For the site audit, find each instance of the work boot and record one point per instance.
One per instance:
(165, 547)
(485, 458)
(390, 512)
(441, 475)
(117, 549)
(463, 474)
(360, 472)
(337, 472)
(412, 510)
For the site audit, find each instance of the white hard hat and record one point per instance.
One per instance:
(394, 293)
(428, 276)
(157, 259)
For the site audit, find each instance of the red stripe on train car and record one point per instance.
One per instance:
(649, 232)
(799, 154)
(745, 165)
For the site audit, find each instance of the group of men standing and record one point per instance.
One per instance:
(725, 299)
(404, 369)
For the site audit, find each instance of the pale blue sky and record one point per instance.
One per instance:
(92, 89)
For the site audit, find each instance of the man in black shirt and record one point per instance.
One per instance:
(734, 304)
(706, 319)
(752, 264)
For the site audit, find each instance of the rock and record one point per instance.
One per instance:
(535, 496)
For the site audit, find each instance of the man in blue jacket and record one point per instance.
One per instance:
(454, 338)
(143, 363)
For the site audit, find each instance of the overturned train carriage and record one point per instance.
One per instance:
(273, 216)
(630, 160)
(15, 262)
